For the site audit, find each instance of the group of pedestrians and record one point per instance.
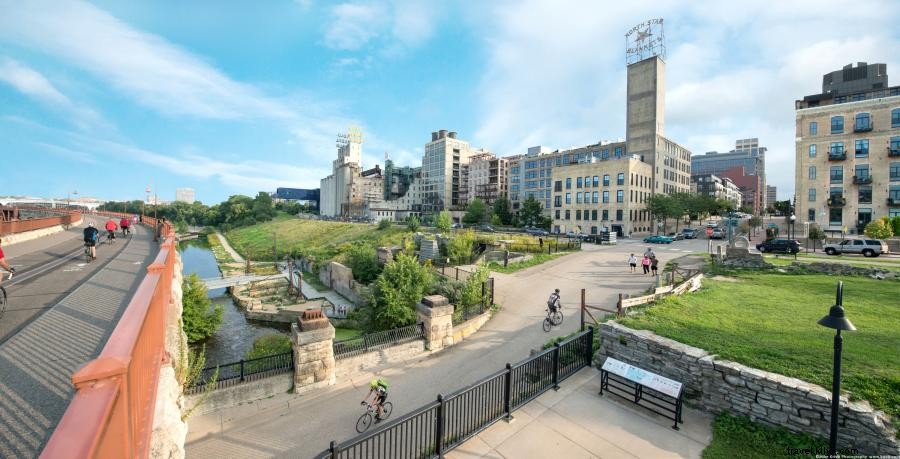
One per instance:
(649, 262)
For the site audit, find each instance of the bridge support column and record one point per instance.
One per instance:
(312, 339)
(436, 312)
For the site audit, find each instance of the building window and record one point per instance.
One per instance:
(837, 124)
(594, 215)
(811, 197)
(605, 215)
(862, 148)
(837, 149)
(863, 122)
(862, 171)
(618, 152)
(558, 186)
(894, 193)
(812, 151)
(578, 198)
(619, 215)
(812, 172)
(835, 216)
(836, 192)
(606, 180)
(811, 215)
(568, 198)
(595, 197)
(813, 128)
(895, 172)
(895, 117)
(587, 182)
(578, 182)
(605, 154)
(568, 183)
(620, 196)
(596, 181)
(577, 215)
(620, 179)
(557, 201)
(606, 196)
(568, 215)
(865, 195)
(895, 144)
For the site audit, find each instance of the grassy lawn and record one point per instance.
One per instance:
(739, 438)
(786, 261)
(315, 237)
(536, 259)
(345, 333)
(218, 251)
(768, 321)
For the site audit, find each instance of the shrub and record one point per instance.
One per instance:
(384, 224)
(895, 225)
(398, 289)
(200, 319)
(271, 344)
(471, 292)
(878, 230)
(443, 222)
(363, 261)
(460, 247)
(413, 223)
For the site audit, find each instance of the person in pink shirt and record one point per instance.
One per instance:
(646, 264)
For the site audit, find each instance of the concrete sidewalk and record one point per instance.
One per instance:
(225, 245)
(576, 422)
(36, 363)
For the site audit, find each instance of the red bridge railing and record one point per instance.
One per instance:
(111, 414)
(64, 217)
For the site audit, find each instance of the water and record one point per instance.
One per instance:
(236, 334)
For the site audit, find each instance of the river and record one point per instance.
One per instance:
(236, 335)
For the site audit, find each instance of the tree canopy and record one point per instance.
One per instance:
(530, 214)
(476, 212)
(502, 209)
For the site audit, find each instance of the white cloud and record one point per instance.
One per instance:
(395, 25)
(353, 25)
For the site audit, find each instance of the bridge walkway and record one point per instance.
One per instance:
(38, 360)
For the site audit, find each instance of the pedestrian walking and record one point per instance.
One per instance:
(650, 253)
(645, 263)
(632, 261)
(654, 262)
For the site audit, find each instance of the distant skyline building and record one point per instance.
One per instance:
(185, 195)
(717, 187)
(444, 184)
(487, 178)
(745, 166)
(771, 195)
(349, 191)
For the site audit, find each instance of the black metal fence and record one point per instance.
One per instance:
(442, 425)
(234, 373)
(463, 313)
(378, 340)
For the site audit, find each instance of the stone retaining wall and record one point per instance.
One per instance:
(370, 361)
(718, 385)
(245, 392)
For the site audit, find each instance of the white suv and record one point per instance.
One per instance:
(867, 247)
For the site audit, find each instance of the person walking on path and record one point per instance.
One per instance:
(632, 261)
(645, 263)
(650, 253)
(654, 262)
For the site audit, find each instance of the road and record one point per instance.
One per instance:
(301, 426)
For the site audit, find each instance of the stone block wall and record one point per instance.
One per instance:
(313, 345)
(370, 361)
(437, 315)
(769, 398)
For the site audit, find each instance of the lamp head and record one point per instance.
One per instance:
(835, 318)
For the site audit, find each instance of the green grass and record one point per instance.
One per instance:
(218, 250)
(345, 333)
(850, 258)
(536, 259)
(768, 321)
(786, 261)
(740, 438)
(308, 237)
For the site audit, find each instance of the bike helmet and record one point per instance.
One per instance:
(91, 225)
(373, 384)
(557, 290)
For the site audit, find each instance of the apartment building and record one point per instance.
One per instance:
(771, 195)
(596, 194)
(745, 166)
(487, 178)
(717, 187)
(848, 150)
(444, 171)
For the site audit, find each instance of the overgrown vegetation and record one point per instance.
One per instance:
(218, 250)
(188, 369)
(384, 224)
(270, 344)
(396, 292)
(740, 438)
(459, 249)
(880, 229)
(536, 259)
(768, 321)
(443, 222)
(362, 259)
(200, 317)
(413, 223)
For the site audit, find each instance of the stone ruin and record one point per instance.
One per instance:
(738, 254)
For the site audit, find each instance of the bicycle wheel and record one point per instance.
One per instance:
(2, 300)
(87, 255)
(386, 410)
(364, 422)
(547, 324)
(557, 317)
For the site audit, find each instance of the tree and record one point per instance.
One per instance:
(476, 212)
(816, 234)
(495, 220)
(895, 225)
(200, 320)
(782, 207)
(363, 261)
(443, 222)
(746, 209)
(878, 230)
(472, 292)
(663, 207)
(530, 214)
(384, 224)
(502, 210)
(398, 289)
(755, 222)
(413, 223)
(460, 247)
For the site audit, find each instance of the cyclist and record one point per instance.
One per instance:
(111, 229)
(91, 235)
(379, 387)
(125, 224)
(4, 263)
(553, 301)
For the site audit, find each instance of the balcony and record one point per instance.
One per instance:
(837, 156)
(893, 201)
(837, 201)
(864, 180)
(895, 151)
(866, 127)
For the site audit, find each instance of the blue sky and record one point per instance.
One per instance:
(109, 97)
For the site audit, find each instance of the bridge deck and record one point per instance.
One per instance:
(37, 362)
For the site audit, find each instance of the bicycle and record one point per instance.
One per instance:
(364, 421)
(87, 253)
(553, 318)
(4, 301)
(110, 239)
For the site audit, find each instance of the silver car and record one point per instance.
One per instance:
(866, 247)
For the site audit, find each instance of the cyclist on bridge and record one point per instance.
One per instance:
(4, 263)
(125, 224)
(91, 235)
(379, 387)
(111, 229)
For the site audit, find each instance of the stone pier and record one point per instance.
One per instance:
(312, 339)
(436, 312)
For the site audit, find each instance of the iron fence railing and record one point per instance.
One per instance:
(378, 340)
(462, 313)
(442, 425)
(231, 374)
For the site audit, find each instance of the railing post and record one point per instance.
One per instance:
(439, 438)
(582, 310)
(242, 370)
(619, 309)
(366, 341)
(589, 349)
(507, 393)
(333, 449)
(556, 366)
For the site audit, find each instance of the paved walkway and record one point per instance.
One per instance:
(236, 256)
(576, 422)
(36, 363)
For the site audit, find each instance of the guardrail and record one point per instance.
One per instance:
(379, 340)
(61, 217)
(111, 414)
(234, 373)
(438, 427)
(463, 313)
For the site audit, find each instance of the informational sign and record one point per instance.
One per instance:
(643, 377)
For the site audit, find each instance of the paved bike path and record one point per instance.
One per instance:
(36, 364)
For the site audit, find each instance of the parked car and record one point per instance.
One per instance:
(486, 229)
(572, 234)
(689, 233)
(534, 231)
(658, 239)
(717, 233)
(778, 245)
(676, 236)
(866, 247)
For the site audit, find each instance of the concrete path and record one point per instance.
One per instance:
(37, 362)
(333, 297)
(576, 422)
(234, 255)
(287, 425)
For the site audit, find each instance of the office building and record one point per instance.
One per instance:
(848, 150)
(771, 195)
(745, 166)
(717, 187)
(349, 191)
(443, 178)
(185, 195)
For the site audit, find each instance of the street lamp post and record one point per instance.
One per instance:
(793, 219)
(836, 320)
